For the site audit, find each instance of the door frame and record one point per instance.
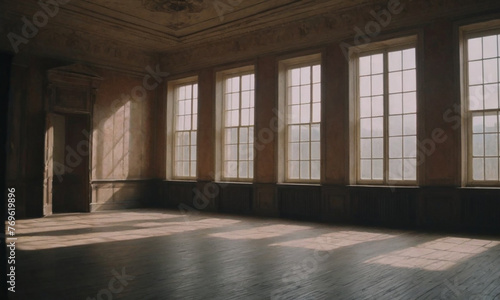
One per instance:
(70, 90)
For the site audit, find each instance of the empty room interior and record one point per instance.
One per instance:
(251, 149)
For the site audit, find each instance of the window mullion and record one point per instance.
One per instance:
(310, 119)
(483, 113)
(386, 117)
(239, 129)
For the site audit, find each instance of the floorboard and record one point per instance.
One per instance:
(160, 254)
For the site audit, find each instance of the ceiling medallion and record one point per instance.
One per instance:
(191, 6)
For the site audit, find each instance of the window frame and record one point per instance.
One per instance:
(221, 77)
(172, 102)
(284, 66)
(382, 47)
(467, 32)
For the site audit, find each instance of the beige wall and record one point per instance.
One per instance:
(123, 130)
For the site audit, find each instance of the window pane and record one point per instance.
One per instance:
(305, 75)
(243, 169)
(304, 133)
(365, 107)
(410, 146)
(395, 61)
(395, 125)
(294, 151)
(293, 169)
(305, 113)
(409, 102)
(377, 127)
(477, 124)
(231, 152)
(366, 169)
(316, 112)
(491, 96)
(304, 151)
(235, 84)
(377, 148)
(295, 77)
(317, 74)
(477, 145)
(366, 148)
(409, 61)
(395, 104)
(315, 170)
(491, 122)
(305, 94)
(409, 124)
(475, 48)
(365, 127)
(490, 67)
(364, 66)
(377, 106)
(243, 152)
(304, 170)
(294, 133)
(491, 170)
(409, 81)
(395, 82)
(410, 169)
(475, 72)
(294, 95)
(396, 169)
(315, 132)
(245, 82)
(377, 85)
(230, 169)
(478, 169)
(490, 46)
(316, 92)
(377, 64)
(491, 144)
(395, 147)
(365, 86)
(378, 169)
(193, 169)
(476, 97)
(315, 151)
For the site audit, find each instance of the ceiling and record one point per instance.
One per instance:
(164, 25)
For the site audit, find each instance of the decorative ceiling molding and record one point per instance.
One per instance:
(332, 26)
(78, 69)
(172, 6)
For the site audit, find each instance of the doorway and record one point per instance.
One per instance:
(67, 163)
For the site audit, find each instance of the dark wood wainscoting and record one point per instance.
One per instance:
(436, 208)
(236, 198)
(383, 206)
(300, 202)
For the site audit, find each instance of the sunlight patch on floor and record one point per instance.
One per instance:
(437, 255)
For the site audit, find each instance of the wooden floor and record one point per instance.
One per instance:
(158, 254)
